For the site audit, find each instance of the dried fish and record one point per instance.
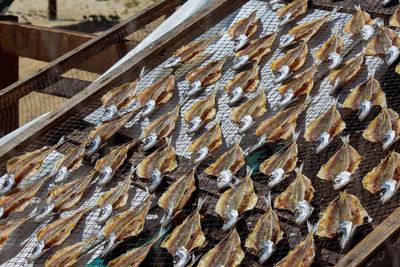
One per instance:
(291, 11)
(330, 51)
(341, 166)
(185, 237)
(324, 128)
(385, 128)
(205, 75)
(386, 42)
(384, 178)
(201, 112)
(360, 24)
(302, 255)
(71, 161)
(55, 233)
(341, 218)
(243, 29)
(364, 96)
(207, 143)
(226, 166)
(246, 81)
(190, 52)
(254, 51)
(155, 94)
(177, 195)
(236, 200)
(297, 197)
(395, 19)
(246, 113)
(160, 128)
(8, 227)
(158, 163)
(293, 60)
(227, 253)
(304, 32)
(281, 163)
(266, 233)
(127, 224)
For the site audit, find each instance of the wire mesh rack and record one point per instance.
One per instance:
(77, 127)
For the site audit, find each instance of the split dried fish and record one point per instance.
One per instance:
(364, 96)
(384, 178)
(124, 225)
(293, 60)
(177, 195)
(254, 51)
(297, 197)
(226, 166)
(246, 81)
(266, 233)
(8, 227)
(160, 128)
(227, 253)
(246, 113)
(207, 143)
(190, 52)
(281, 163)
(324, 128)
(71, 161)
(304, 32)
(341, 166)
(205, 75)
(185, 237)
(330, 51)
(158, 163)
(385, 128)
(236, 200)
(395, 19)
(243, 29)
(201, 112)
(291, 11)
(360, 24)
(341, 218)
(386, 42)
(155, 94)
(55, 233)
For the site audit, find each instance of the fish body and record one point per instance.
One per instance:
(201, 112)
(360, 24)
(291, 11)
(386, 42)
(334, 44)
(243, 29)
(245, 81)
(340, 166)
(8, 227)
(71, 161)
(395, 18)
(227, 253)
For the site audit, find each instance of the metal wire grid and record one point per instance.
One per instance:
(328, 250)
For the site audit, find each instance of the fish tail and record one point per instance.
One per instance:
(345, 139)
(267, 199)
(312, 227)
(296, 135)
(142, 72)
(299, 170)
(200, 202)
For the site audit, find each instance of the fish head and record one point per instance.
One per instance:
(302, 211)
(364, 108)
(341, 179)
(47, 211)
(366, 32)
(8, 183)
(267, 248)
(240, 42)
(105, 175)
(346, 232)
(277, 176)
(224, 179)
(245, 123)
(194, 88)
(109, 245)
(388, 188)
(392, 54)
(104, 214)
(323, 139)
(286, 98)
(149, 108)
(282, 74)
(285, 20)
(194, 124)
(110, 113)
(150, 141)
(334, 59)
(176, 62)
(388, 139)
(156, 178)
(237, 93)
(94, 145)
(38, 250)
(181, 257)
(203, 152)
(286, 40)
(240, 62)
(61, 175)
(232, 217)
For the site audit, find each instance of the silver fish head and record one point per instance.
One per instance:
(240, 62)
(392, 54)
(388, 139)
(346, 232)
(46, 212)
(181, 257)
(109, 113)
(364, 108)
(237, 93)
(282, 74)
(94, 145)
(203, 152)
(285, 20)
(341, 179)
(61, 175)
(286, 40)
(323, 139)
(195, 124)
(38, 250)
(149, 108)
(8, 183)
(388, 189)
(105, 175)
(334, 59)
(245, 123)
(150, 141)
(104, 214)
(176, 62)
(231, 220)
(366, 32)
(267, 248)
(286, 98)
(194, 88)
(156, 179)
(109, 245)
(302, 211)
(224, 179)
(277, 176)
(241, 41)
(335, 86)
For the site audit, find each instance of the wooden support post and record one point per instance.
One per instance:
(52, 9)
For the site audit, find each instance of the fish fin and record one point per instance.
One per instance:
(299, 170)
(345, 139)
